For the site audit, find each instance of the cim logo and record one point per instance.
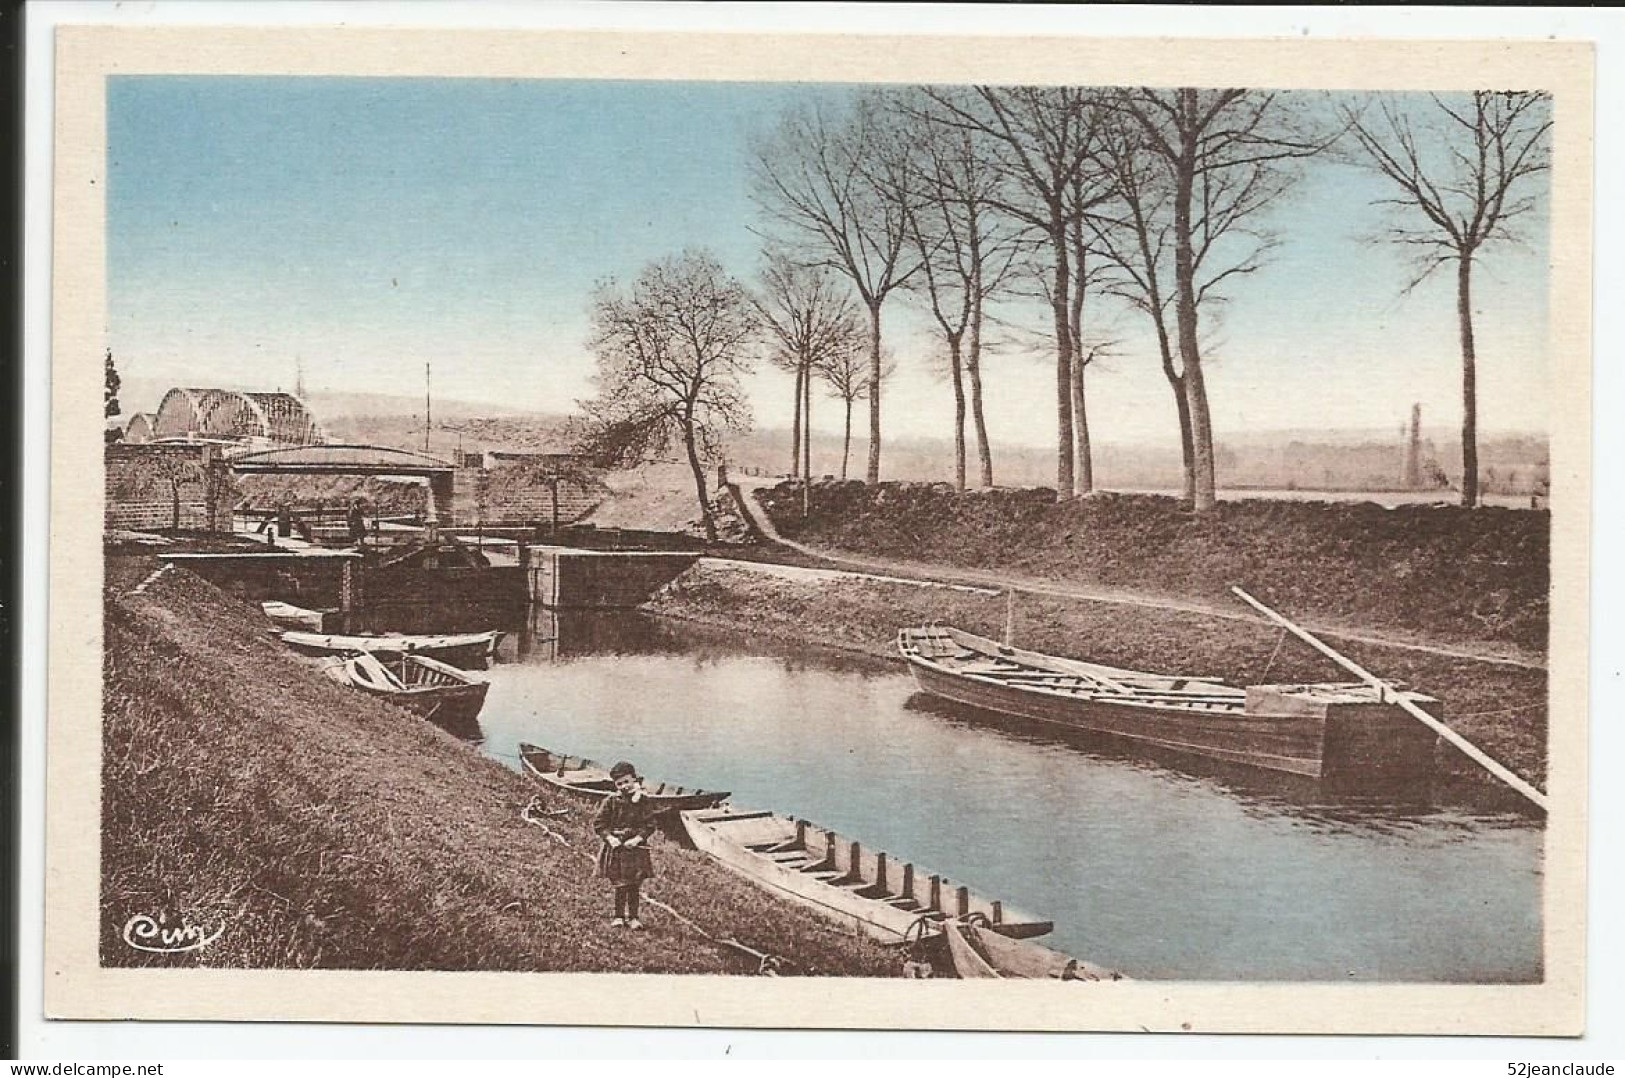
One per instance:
(159, 935)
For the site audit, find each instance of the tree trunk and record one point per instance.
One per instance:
(806, 429)
(1190, 355)
(973, 369)
(846, 442)
(1469, 383)
(1080, 417)
(873, 475)
(956, 367)
(795, 429)
(1187, 451)
(1083, 468)
(699, 476)
(1063, 368)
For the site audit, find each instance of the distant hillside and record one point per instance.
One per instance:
(1319, 460)
(523, 432)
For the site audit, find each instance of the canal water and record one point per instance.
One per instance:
(1157, 868)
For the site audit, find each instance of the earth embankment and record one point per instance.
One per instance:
(1468, 578)
(324, 829)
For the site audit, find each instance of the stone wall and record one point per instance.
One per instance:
(160, 486)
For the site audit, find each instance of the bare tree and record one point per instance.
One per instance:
(1046, 158)
(1135, 240)
(671, 353)
(839, 188)
(846, 370)
(967, 252)
(1224, 156)
(1460, 166)
(810, 319)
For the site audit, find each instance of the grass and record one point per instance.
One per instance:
(1501, 708)
(1437, 572)
(327, 830)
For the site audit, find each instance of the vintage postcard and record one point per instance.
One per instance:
(795, 531)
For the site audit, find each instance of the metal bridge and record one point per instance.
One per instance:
(353, 460)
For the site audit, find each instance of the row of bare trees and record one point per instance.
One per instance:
(972, 197)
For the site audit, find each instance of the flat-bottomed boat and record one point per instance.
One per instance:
(587, 781)
(867, 890)
(1325, 731)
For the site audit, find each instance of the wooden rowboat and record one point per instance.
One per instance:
(471, 651)
(974, 953)
(587, 781)
(866, 890)
(288, 615)
(437, 691)
(1319, 730)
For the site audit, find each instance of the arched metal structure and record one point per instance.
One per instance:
(139, 428)
(279, 418)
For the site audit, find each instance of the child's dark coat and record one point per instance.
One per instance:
(624, 818)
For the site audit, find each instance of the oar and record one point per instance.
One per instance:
(1385, 693)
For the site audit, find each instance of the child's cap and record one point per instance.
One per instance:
(622, 768)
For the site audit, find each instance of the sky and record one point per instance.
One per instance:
(363, 227)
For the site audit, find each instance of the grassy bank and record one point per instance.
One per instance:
(1442, 572)
(327, 830)
(1502, 708)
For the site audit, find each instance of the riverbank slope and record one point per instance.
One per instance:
(1473, 578)
(324, 829)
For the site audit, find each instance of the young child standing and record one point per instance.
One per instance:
(625, 822)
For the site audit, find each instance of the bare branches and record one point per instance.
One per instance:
(1462, 165)
(671, 353)
(1462, 169)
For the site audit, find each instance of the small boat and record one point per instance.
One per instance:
(1324, 731)
(585, 780)
(974, 953)
(435, 690)
(297, 617)
(471, 651)
(867, 890)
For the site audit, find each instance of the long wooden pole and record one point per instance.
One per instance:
(1388, 695)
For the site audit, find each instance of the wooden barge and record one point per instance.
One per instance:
(1324, 731)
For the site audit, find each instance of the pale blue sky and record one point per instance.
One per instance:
(368, 225)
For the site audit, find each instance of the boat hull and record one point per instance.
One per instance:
(1294, 747)
(1278, 728)
(457, 705)
(471, 651)
(863, 890)
(591, 784)
(977, 954)
(441, 693)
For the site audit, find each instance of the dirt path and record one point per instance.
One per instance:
(1499, 654)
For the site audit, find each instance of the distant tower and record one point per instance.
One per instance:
(1413, 451)
(299, 378)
